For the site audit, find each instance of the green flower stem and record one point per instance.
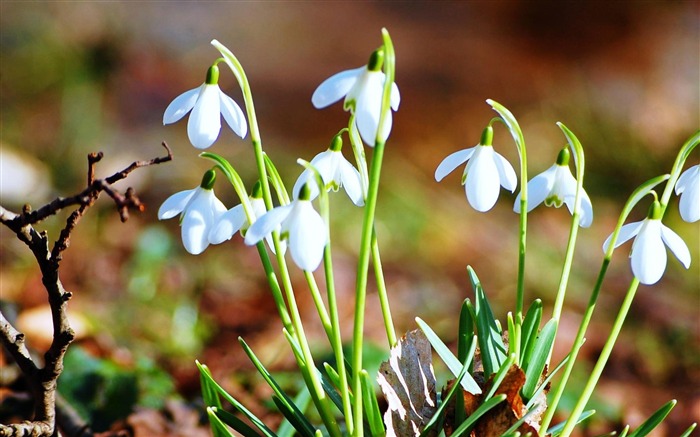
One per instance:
(381, 291)
(308, 369)
(602, 360)
(366, 237)
(318, 302)
(359, 151)
(687, 147)
(274, 286)
(335, 336)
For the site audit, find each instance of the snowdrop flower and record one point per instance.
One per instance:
(688, 187)
(207, 104)
(300, 224)
(484, 174)
(199, 211)
(336, 172)
(362, 88)
(648, 253)
(235, 220)
(555, 187)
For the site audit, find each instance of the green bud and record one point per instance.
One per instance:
(336, 143)
(257, 191)
(563, 157)
(305, 192)
(376, 60)
(212, 75)
(208, 179)
(655, 211)
(487, 136)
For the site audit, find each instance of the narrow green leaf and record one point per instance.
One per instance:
(653, 421)
(510, 121)
(531, 324)
(234, 422)
(276, 180)
(372, 412)
(516, 425)
(237, 405)
(466, 331)
(209, 394)
(493, 351)
(690, 429)
(448, 357)
(332, 374)
(467, 425)
(513, 342)
(217, 426)
(546, 381)
(436, 420)
(288, 407)
(500, 375)
(302, 401)
(625, 431)
(542, 349)
(557, 429)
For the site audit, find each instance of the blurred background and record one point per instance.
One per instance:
(78, 77)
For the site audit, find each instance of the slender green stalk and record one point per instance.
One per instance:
(366, 237)
(358, 150)
(602, 360)
(381, 291)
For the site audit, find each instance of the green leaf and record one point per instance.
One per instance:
(493, 351)
(557, 429)
(546, 381)
(516, 425)
(510, 121)
(466, 426)
(448, 357)
(465, 333)
(217, 426)
(209, 394)
(276, 180)
(234, 402)
(436, 420)
(543, 347)
(625, 431)
(283, 402)
(531, 324)
(690, 429)
(500, 375)
(369, 400)
(301, 400)
(654, 420)
(219, 417)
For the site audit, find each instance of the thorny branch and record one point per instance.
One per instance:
(42, 380)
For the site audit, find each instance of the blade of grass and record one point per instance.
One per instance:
(558, 428)
(224, 417)
(654, 420)
(531, 324)
(493, 351)
(466, 426)
(372, 412)
(301, 400)
(541, 352)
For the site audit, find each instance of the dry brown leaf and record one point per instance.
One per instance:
(408, 383)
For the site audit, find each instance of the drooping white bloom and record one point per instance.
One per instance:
(648, 255)
(688, 188)
(485, 173)
(335, 171)
(557, 186)
(301, 225)
(362, 88)
(207, 103)
(199, 211)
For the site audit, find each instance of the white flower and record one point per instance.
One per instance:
(207, 104)
(648, 254)
(362, 88)
(484, 174)
(336, 172)
(688, 187)
(301, 225)
(199, 211)
(235, 220)
(557, 186)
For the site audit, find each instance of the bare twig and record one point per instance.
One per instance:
(42, 380)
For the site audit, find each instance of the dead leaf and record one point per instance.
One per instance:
(408, 383)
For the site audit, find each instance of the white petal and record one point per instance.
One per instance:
(264, 225)
(688, 186)
(233, 114)
(306, 177)
(538, 189)
(228, 224)
(676, 244)
(204, 124)
(452, 161)
(688, 177)
(626, 232)
(307, 236)
(395, 97)
(175, 204)
(368, 106)
(198, 219)
(335, 87)
(351, 181)
(507, 175)
(482, 180)
(181, 105)
(648, 253)
(586, 218)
